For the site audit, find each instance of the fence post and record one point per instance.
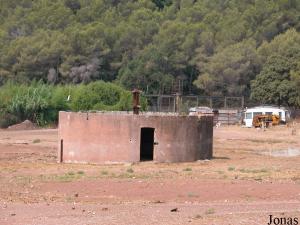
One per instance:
(210, 102)
(158, 103)
(243, 102)
(177, 102)
(174, 104)
(228, 119)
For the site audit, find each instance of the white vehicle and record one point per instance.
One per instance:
(249, 113)
(200, 110)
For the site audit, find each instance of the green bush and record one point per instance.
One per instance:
(7, 93)
(31, 102)
(100, 96)
(41, 103)
(7, 119)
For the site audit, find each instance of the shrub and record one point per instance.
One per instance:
(7, 119)
(100, 96)
(41, 103)
(31, 102)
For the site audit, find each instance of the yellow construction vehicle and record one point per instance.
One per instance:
(264, 121)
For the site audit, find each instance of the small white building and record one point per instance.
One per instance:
(249, 113)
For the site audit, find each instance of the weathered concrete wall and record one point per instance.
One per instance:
(115, 137)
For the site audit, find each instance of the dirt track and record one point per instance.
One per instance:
(239, 186)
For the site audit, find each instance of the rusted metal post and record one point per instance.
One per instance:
(61, 158)
(136, 101)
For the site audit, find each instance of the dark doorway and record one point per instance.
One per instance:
(147, 144)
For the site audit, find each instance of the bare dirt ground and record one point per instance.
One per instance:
(243, 184)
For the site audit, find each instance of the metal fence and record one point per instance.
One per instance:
(228, 116)
(161, 103)
(229, 108)
(178, 103)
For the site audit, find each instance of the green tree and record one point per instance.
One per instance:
(278, 81)
(274, 84)
(229, 71)
(29, 58)
(149, 72)
(162, 3)
(152, 43)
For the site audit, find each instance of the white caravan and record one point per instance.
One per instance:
(249, 113)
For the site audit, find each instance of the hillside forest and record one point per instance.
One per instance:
(245, 48)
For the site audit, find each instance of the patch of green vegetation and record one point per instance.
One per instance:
(257, 53)
(243, 170)
(271, 141)
(40, 102)
(124, 176)
(220, 172)
(198, 216)
(192, 195)
(66, 177)
(71, 173)
(248, 197)
(35, 141)
(253, 170)
(69, 199)
(8, 169)
(104, 172)
(132, 176)
(23, 179)
(130, 170)
(231, 168)
(210, 211)
(258, 178)
(187, 169)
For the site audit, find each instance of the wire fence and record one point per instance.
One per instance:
(228, 110)
(182, 104)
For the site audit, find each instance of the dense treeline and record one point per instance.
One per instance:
(40, 102)
(217, 47)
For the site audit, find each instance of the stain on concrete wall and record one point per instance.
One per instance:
(108, 137)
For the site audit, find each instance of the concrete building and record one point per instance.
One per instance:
(113, 137)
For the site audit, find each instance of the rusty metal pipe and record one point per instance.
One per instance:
(136, 101)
